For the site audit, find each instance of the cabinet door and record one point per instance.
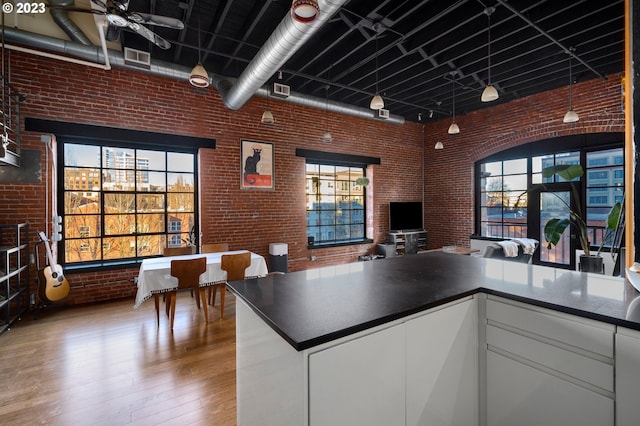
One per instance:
(518, 394)
(360, 382)
(442, 367)
(627, 377)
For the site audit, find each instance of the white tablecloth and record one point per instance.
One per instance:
(155, 273)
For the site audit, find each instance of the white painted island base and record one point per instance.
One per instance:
(422, 369)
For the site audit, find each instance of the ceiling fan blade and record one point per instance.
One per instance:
(159, 21)
(149, 35)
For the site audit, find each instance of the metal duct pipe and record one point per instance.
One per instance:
(286, 39)
(177, 72)
(61, 17)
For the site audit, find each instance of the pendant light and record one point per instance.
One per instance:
(326, 138)
(376, 101)
(489, 93)
(267, 115)
(305, 11)
(199, 76)
(453, 128)
(571, 116)
(439, 145)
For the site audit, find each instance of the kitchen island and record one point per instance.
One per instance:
(414, 339)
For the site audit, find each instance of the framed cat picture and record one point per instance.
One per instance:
(256, 165)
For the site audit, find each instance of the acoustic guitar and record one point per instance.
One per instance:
(52, 283)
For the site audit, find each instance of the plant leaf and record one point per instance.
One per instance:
(566, 171)
(613, 216)
(553, 230)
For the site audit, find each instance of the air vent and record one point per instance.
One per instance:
(383, 113)
(137, 58)
(281, 90)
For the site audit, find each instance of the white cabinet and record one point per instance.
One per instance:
(627, 377)
(360, 382)
(547, 368)
(420, 372)
(442, 367)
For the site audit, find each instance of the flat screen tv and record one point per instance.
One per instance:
(405, 216)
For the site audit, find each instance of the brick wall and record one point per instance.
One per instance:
(253, 219)
(245, 219)
(449, 213)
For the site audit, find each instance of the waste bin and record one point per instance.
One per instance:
(278, 257)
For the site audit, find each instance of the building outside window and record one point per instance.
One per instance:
(335, 204)
(125, 203)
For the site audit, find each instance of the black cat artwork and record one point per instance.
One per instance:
(251, 166)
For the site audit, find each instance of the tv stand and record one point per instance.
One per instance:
(408, 242)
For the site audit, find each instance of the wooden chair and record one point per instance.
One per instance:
(188, 274)
(235, 265)
(213, 248)
(177, 251)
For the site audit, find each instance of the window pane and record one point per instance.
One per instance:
(81, 202)
(151, 160)
(515, 182)
(118, 158)
(181, 202)
(83, 250)
(84, 155)
(151, 181)
(513, 167)
(179, 182)
(83, 179)
(178, 162)
(81, 226)
(119, 203)
(119, 224)
(118, 180)
(147, 203)
(150, 223)
(120, 247)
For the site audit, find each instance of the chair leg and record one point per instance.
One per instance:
(212, 294)
(156, 298)
(197, 296)
(223, 290)
(172, 300)
(204, 303)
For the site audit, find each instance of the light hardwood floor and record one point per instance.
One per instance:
(110, 364)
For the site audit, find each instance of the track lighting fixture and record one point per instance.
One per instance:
(489, 93)
(571, 116)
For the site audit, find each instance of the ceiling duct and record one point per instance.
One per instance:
(61, 18)
(173, 71)
(286, 39)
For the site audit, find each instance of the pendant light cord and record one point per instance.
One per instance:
(377, 62)
(570, 80)
(489, 49)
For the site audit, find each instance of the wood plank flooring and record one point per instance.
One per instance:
(110, 364)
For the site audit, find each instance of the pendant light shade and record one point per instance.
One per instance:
(305, 11)
(571, 116)
(199, 76)
(454, 129)
(267, 117)
(489, 93)
(376, 102)
(439, 145)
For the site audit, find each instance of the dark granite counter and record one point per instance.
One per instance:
(311, 307)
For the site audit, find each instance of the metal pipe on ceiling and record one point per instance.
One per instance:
(164, 69)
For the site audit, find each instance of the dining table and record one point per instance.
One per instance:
(155, 273)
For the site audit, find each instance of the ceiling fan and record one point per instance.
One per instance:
(119, 17)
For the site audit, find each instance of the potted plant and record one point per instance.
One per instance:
(555, 227)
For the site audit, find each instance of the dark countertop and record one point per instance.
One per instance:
(315, 306)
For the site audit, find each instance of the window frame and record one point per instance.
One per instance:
(103, 263)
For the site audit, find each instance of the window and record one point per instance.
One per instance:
(503, 200)
(125, 203)
(335, 204)
(605, 187)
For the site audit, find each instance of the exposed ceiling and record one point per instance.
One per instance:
(420, 47)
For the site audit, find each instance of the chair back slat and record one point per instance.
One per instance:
(188, 271)
(177, 251)
(235, 265)
(215, 247)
